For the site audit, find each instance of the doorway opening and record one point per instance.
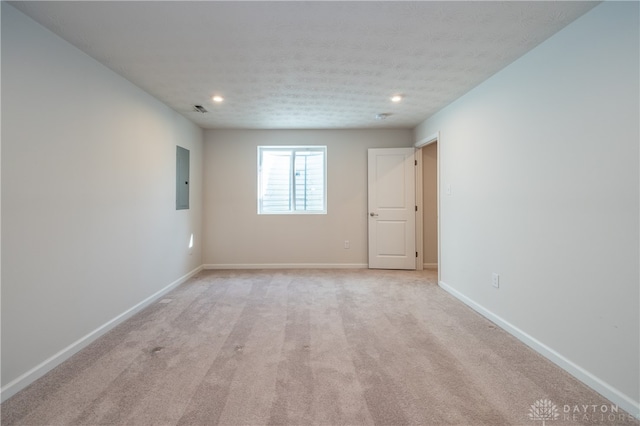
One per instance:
(428, 202)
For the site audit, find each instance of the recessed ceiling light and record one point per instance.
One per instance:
(396, 98)
(218, 98)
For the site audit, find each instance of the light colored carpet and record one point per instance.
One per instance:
(305, 347)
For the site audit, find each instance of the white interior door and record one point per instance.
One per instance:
(392, 204)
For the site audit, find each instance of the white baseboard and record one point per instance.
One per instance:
(49, 364)
(286, 266)
(430, 265)
(612, 394)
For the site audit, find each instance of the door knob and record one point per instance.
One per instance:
(372, 214)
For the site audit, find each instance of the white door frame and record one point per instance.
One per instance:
(419, 202)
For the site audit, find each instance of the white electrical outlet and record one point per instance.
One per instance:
(495, 280)
(346, 244)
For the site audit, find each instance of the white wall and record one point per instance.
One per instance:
(89, 226)
(542, 160)
(236, 236)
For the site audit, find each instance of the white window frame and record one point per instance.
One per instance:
(292, 196)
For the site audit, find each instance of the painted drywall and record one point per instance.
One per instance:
(542, 162)
(89, 224)
(430, 204)
(236, 236)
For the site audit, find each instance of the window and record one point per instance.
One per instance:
(292, 179)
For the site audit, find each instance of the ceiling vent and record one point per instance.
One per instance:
(200, 108)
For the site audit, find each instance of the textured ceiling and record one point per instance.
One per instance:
(305, 64)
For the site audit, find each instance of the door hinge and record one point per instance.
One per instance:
(415, 162)
(416, 254)
(416, 208)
